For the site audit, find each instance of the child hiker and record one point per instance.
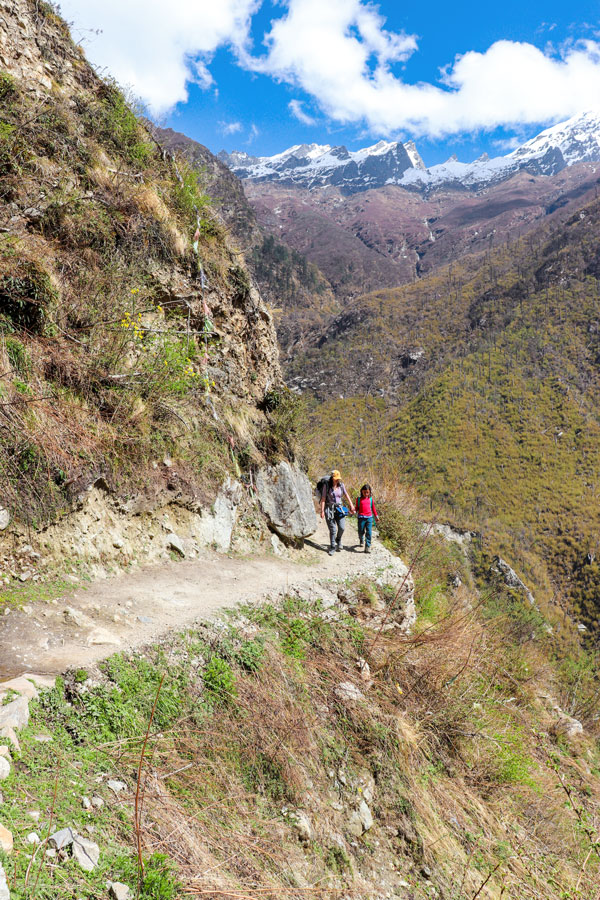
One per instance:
(365, 510)
(332, 509)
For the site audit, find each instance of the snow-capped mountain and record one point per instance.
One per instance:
(391, 162)
(578, 140)
(315, 165)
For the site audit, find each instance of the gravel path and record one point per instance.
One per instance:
(130, 610)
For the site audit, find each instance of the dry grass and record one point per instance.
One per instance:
(110, 235)
(433, 728)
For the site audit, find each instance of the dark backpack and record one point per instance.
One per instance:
(321, 483)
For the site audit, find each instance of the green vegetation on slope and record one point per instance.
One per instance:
(495, 414)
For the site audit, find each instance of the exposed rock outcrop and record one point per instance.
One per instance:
(285, 495)
(102, 529)
(511, 579)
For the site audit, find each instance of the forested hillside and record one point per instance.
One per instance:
(480, 383)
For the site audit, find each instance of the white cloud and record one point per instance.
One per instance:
(340, 53)
(157, 48)
(507, 145)
(230, 127)
(253, 133)
(295, 107)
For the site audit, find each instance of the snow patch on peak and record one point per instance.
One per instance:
(300, 151)
(377, 149)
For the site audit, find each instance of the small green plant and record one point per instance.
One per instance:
(7, 86)
(6, 130)
(219, 680)
(295, 638)
(513, 763)
(159, 881)
(337, 860)
(9, 696)
(114, 122)
(250, 655)
(368, 593)
(22, 387)
(188, 194)
(432, 603)
(18, 355)
(432, 771)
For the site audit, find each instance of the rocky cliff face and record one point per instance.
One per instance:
(135, 348)
(36, 48)
(294, 287)
(53, 80)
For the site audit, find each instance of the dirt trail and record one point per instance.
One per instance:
(130, 610)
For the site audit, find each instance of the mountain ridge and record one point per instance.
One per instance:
(392, 162)
(316, 165)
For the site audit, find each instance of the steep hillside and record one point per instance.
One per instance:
(131, 332)
(310, 746)
(295, 289)
(359, 243)
(484, 383)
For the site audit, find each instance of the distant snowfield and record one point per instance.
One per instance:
(392, 162)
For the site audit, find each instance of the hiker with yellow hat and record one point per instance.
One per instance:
(333, 510)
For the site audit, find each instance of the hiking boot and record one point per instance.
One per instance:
(331, 551)
(361, 543)
(367, 549)
(339, 548)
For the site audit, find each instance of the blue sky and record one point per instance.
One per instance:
(242, 74)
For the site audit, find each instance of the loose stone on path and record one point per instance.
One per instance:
(116, 786)
(86, 852)
(6, 839)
